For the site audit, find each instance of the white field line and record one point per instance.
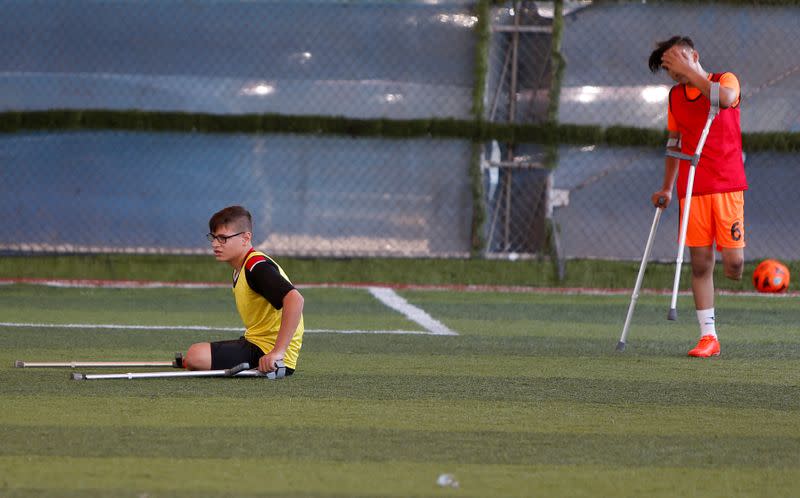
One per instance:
(114, 326)
(386, 296)
(392, 300)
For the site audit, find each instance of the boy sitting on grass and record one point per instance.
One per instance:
(270, 307)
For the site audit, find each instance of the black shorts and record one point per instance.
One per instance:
(227, 354)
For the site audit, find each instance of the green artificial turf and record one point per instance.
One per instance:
(530, 399)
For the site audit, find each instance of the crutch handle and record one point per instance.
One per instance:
(279, 373)
(680, 155)
(241, 367)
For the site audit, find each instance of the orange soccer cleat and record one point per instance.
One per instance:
(708, 346)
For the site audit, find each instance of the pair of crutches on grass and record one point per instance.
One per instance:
(241, 370)
(673, 309)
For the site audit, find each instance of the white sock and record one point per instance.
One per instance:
(706, 319)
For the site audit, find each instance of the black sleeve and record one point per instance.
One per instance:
(266, 280)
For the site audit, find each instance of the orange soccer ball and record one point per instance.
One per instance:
(771, 276)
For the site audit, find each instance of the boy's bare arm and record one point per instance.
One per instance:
(290, 319)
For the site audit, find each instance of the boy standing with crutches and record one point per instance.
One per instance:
(716, 213)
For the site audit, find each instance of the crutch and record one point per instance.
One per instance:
(712, 113)
(635, 295)
(175, 363)
(241, 370)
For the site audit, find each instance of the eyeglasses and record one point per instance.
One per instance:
(222, 239)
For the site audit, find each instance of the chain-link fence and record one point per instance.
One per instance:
(519, 64)
(309, 195)
(365, 59)
(334, 195)
(593, 200)
(606, 46)
(603, 205)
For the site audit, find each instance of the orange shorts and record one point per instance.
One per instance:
(716, 218)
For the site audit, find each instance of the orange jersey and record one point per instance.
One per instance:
(728, 80)
(721, 168)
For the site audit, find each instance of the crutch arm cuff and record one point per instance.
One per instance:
(714, 98)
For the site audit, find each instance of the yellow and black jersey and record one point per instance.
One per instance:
(259, 300)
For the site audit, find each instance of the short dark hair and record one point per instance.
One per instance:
(663, 46)
(232, 216)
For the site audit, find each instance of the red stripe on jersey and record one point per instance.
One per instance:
(254, 261)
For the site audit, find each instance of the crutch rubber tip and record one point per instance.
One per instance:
(620, 346)
(672, 315)
(19, 364)
(77, 376)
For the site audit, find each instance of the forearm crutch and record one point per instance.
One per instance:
(635, 295)
(241, 370)
(712, 113)
(176, 363)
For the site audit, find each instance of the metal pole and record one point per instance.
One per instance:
(512, 97)
(241, 370)
(512, 110)
(640, 277)
(499, 84)
(176, 363)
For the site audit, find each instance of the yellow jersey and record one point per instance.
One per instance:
(262, 318)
